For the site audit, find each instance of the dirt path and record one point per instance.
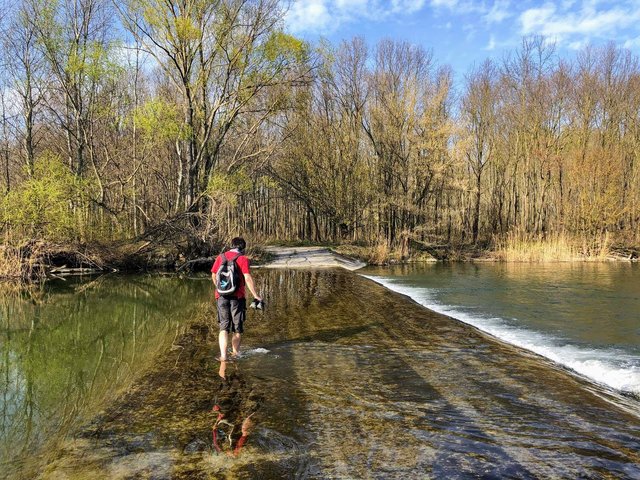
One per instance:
(310, 257)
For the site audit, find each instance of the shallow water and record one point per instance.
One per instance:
(344, 379)
(67, 350)
(581, 315)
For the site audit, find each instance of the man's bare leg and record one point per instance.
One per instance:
(223, 340)
(235, 344)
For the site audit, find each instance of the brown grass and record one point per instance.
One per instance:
(518, 247)
(21, 263)
(11, 266)
(379, 254)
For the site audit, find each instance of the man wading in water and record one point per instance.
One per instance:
(230, 274)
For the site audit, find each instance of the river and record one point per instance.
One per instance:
(340, 378)
(585, 316)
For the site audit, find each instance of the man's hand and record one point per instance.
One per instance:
(257, 304)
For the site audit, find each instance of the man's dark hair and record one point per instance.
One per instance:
(238, 243)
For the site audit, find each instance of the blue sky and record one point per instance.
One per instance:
(462, 33)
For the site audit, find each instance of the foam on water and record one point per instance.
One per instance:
(610, 367)
(255, 351)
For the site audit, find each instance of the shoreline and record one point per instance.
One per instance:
(38, 260)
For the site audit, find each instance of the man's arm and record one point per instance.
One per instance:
(214, 269)
(248, 279)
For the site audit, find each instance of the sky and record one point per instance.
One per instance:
(463, 33)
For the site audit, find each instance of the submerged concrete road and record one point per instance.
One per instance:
(343, 379)
(310, 257)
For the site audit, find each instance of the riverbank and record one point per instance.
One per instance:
(334, 388)
(37, 260)
(515, 250)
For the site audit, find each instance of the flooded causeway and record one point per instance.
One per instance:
(341, 378)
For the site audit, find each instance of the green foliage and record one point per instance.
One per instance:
(186, 31)
(283, 47)
(85, 58)
(93, 61)
(159, 121)
(44, 206)
(225, 187)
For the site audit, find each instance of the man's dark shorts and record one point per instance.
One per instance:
(231, 314)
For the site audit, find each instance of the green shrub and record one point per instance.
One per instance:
(49, 205)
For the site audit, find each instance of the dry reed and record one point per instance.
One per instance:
(518, 247)
(10, 262)
(379, 254)
(21, 263)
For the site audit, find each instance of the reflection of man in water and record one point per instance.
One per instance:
(232, 309)
(236, 403)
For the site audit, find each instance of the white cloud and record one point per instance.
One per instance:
(324, 16)
(632, 43)
(351, 6)
(577, 45)
(495, 13)
(568, 23)
(308, 15)
(536, 18)
(407, 6)
(580, 24)
(444, 3)
(492, 43)
(351, 3)
(499, 11)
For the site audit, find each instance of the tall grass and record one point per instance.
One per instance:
(20, 263)
(10, 262)
(379, 254)
(559, 247)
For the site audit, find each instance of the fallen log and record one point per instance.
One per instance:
(202, 262)
(74, 271)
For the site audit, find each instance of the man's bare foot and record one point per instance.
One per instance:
(221, 358)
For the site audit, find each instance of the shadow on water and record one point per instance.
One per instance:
(343, 379)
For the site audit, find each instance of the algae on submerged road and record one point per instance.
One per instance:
(345, 379)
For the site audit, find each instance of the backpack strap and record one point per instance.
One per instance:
(224, 260)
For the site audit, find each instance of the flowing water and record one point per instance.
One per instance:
(340, 378)
(585, 316)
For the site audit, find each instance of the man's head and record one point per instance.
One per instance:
(239, 243)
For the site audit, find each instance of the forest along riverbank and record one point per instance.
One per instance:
(342, 378)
